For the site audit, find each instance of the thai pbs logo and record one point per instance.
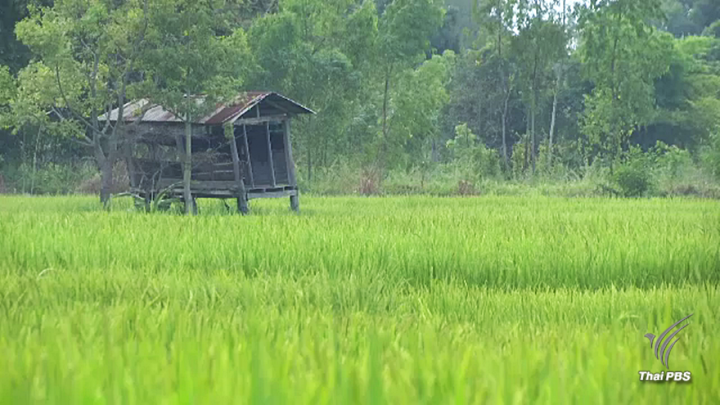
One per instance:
(662, 353)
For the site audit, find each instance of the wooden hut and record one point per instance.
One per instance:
(241, 150)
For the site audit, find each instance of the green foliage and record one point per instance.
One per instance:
(539, 44)
(711, 154)
(185, 57)
(476, 160)
(7, 86)
(77, 45)
(622, 56)
(405, 29)
(520, 157)
(8, 90)
(633, 177)
(670, 159)
(418, 102)
(48, 178)
(321, 54)
(384, 96)
(633, 180)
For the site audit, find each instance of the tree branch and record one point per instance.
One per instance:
(67, 103)
(85, 139)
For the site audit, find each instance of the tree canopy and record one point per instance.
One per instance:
(549, 86)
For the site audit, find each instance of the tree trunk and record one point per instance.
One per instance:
(552, 130)
(533, 156)
(106, 180)
(533, 102)
(558, 83)
(614, 91)
(105, 164)
(187, 169)
(386, 96)
(23, 161)
(34, 168)
(309, 160)
(552, 119)
(504, 130)
(526, 141)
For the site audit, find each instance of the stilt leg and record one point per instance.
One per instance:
(295, 203)
(194, 206)
(242, 205)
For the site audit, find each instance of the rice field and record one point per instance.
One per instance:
(416, 300)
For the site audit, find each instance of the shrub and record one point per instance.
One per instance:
(632, 180)
(466, 188)
(48, 178)
(633, 176)
(369, 182)
(473, 158)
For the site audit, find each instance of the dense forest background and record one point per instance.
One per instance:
(413, 96)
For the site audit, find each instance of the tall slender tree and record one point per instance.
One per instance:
(405, 29)
(622, 56)
(495, 18)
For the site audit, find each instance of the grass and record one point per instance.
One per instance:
(358, 300)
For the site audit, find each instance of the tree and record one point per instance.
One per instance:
(85, 53)
(497, 17)
(623, 56)
(12, 52)
(559, 68)
(538, 44)
(480, 99)
(191, 67)
(315, 51)
(405, 29)
(686, 97)
(418, 102)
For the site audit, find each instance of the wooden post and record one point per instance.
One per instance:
(270, 157)
(247, 153)
(294, 199)
(130, 165)
(194, 207)
(181, 151)
(129, 147)
(242, 197)
(288, 154)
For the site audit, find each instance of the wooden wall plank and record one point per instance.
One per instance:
(270, 156)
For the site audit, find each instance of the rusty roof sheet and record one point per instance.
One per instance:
(223, 113)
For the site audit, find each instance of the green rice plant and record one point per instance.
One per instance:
(357, 300)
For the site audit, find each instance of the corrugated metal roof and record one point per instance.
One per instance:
(224, 113)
